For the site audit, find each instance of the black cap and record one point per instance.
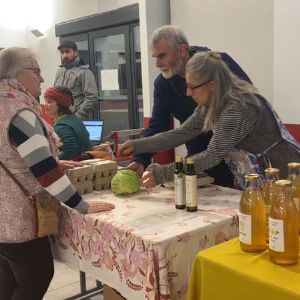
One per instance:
(67, 44)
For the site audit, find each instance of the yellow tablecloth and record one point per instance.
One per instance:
(225, 272)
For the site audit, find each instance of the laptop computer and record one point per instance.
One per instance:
(95, 129)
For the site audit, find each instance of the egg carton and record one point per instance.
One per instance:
(102, 183)
(105, 168)
(80, 174)
(84, 187)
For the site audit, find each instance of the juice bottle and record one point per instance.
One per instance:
(269, 192)
(283, 226)
(294, 177)
(252, 217)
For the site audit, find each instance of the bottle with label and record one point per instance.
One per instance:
(179, 183)
(252, 217)
(283, 226)
(294, 177)
(191, 186)
(269, 192)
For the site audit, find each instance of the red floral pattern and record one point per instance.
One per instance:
(146, 263)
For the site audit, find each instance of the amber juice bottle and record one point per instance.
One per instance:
(283, 226)
(179, 183)
(252, 217)
(294, 177)
(269, 192)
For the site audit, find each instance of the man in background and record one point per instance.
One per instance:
(171, 51)
(77, 77)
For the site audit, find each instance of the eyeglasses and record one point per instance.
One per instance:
(199, 85)
(36, 71)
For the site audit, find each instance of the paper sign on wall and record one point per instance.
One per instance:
(109, 80)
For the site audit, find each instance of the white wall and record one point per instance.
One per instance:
(153, 13)
(287, 60)
(243, 29)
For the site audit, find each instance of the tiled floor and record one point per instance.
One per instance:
(65, 283)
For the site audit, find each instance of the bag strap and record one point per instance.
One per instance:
(15, 180)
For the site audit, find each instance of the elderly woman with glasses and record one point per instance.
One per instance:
(27, 152)
(247, 132)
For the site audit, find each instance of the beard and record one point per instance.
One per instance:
(173, 70)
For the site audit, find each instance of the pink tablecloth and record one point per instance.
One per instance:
(145, 248)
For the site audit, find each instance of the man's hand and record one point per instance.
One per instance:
(136, 167)
(125, 149)
(70, 164)
(98, 206)
(148, 179)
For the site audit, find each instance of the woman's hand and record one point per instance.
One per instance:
(125, 149)
(98, 206)
(148, 179)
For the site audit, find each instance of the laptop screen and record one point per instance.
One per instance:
(95, 129)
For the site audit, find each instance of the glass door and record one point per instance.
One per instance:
(118, 76)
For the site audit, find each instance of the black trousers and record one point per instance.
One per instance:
(26, 269)
(221, 174)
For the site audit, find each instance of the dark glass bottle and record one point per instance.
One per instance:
(179, 183)
(191, 186)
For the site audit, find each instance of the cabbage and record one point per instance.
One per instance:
(125, 182)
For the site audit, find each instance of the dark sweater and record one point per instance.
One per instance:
(73, 135)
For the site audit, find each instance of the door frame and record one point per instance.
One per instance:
(109, 23)
(132, 101)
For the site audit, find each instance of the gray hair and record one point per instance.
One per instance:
(209, 65)
(171, 34)
(14, 59)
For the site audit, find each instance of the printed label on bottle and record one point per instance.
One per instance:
(179, 189)
(296, 201)
(276, 235)
(191, 190)
(245, 228)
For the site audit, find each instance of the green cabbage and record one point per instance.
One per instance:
(125, 182)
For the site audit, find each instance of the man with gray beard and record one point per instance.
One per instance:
(171, 51)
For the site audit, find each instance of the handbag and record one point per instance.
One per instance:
(46, 209)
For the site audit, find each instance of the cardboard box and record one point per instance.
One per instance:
(111, 294)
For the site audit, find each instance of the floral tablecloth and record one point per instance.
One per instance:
(145, 248)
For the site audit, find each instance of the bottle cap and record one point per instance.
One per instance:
(178, 159)
(189, 161)
(252, 176)
(294, 164)
(271, 170)
(283, 182)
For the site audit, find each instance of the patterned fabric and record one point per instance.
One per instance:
(241, 162)
(145, 247)
(27, 153)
